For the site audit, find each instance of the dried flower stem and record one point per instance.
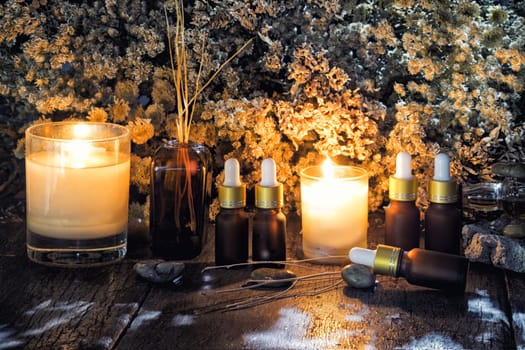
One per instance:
(266, 262)
(255, 283)
(185, 110)
(179, 70)
(252, 302)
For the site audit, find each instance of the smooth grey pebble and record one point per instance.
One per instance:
(358, 276)
(273, 275)
(160, 271)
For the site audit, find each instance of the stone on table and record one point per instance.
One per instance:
(160, 271)
(358, 276)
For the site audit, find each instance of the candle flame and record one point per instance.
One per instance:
(328, 169)
(76, 153)
(79, 152)
(80, 131)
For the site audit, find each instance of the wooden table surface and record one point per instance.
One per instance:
(111, 308)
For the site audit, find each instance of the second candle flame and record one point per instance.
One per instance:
(328, 169)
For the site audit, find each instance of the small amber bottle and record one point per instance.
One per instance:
(402, 221)
(442, 217)
(232, 222)
(421, 267)
(269, 222)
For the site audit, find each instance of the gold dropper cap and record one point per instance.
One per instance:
(269, 197)
(402, 189)
(442, 192)
(386, 261)
(232, 197)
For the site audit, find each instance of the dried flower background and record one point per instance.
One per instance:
(355, 80)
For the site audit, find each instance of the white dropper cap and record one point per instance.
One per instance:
(442, 167)
(385, 260)
(268, 173)
(232, 173)
(362, 256)
(442, 188)
(269, 192)
(402, 186)
(232, 192)
(403, 166)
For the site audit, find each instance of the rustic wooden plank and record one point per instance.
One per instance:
(12, 239)
(393, 315)
(481, 313)
(407, 316)
(515, 289)
(194, 316)
(44, 307)
(51, 308)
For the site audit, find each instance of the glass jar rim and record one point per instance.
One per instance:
(341, 173)
(34, 131)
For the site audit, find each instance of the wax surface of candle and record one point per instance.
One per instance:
(79, 197)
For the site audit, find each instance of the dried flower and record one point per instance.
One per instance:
(127, 91)
(119, 110)
(141, 130)
(497, 14)
(140, 172)
(97, 114)
(359, 80)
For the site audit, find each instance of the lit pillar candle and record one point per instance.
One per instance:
(334, 209)
(77, 187)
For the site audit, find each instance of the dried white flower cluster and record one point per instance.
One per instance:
(355, 80)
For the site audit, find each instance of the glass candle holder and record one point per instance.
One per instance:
(77, 191)
(334, 211)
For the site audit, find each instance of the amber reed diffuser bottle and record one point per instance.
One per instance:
(421, 267)
(269, 222)
(402, 222)
(442, 218)
(232, 222)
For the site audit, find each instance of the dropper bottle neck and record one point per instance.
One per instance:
(484, 196)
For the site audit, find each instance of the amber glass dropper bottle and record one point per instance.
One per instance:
(269, 222)
(402, 222)
(232, 222)
(442, 218)
(421, 267)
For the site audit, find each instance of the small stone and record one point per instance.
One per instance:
(482, 244)
(358, 276)
(273, 276)
(160, 271)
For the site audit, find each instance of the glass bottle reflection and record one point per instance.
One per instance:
(507, 195)
(513, 203)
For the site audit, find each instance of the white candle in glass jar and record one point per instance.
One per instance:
(334, 209)
(77, 191)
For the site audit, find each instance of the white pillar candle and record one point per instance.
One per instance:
(66, 201)
(334, 210)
